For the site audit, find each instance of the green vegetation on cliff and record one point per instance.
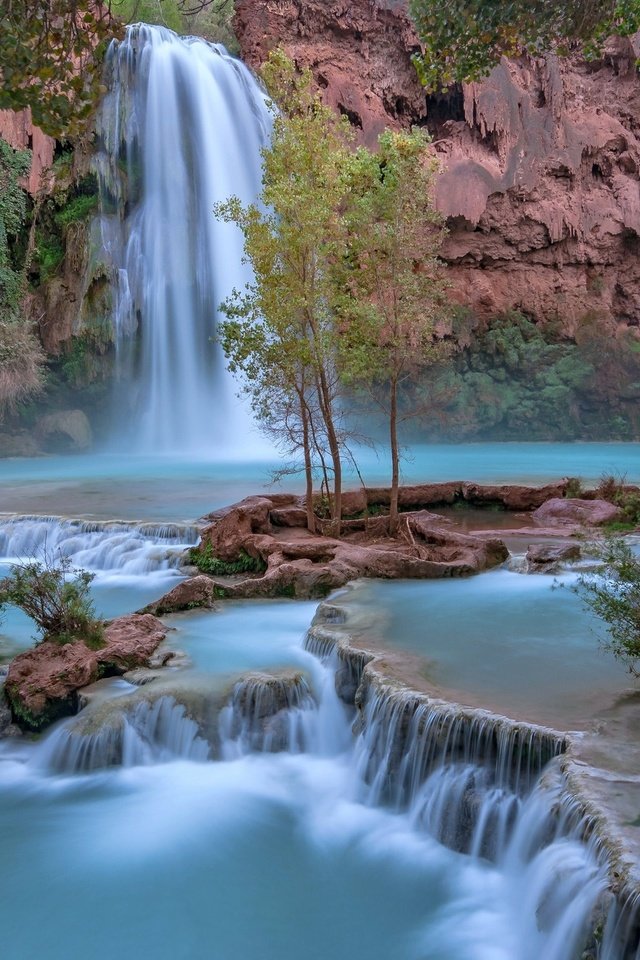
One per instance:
(463, 39)
(21, 358)
(515, 378)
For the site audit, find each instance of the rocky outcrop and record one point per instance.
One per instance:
(293, 562)
(42, 684)
(67, 430)
(540, 160)
(576, 512)
(195, 593)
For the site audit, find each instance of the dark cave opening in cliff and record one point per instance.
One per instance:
(444, 106)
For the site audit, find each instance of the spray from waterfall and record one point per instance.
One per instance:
(181, 128)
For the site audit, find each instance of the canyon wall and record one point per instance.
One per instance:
(540, 181)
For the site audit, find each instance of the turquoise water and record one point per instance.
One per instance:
(162, 488)
(523, 644)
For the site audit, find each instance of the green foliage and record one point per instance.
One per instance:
(463, 39)
(204, 559)
(49, 253)
(21, 358)
(79, 208)
(166, 13)
(512, 380)
(214, 22)
(56, 598)
(390, 284)
(14, 164)
(574, 489)
(279, 333)
(50, 60)
(627, 498)
(613, 594)
(51, 52)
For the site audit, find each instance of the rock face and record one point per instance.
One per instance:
(17, 129)
(549, 558)
(42, 684)
(360, 54)
(540, 160)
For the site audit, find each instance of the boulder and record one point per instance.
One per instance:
(575, 512)
(42, 684)
(548, 557)
(289, 517)
(197, 592)
(65, 430)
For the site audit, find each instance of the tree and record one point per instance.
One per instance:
(56, 597)
(280, 332)
(391, 283)
(51, 53)
(463, 39)
(613, 594)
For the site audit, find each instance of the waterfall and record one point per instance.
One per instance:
(181, 128)
(267, 714)
(126, 548)
(150, 732)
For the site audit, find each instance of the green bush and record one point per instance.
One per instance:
(613, 594)
(203, 558)
(56, 598)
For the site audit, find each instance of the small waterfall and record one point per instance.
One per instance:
(267, 714)
(181, 128)
(126, 548)
(150, 732)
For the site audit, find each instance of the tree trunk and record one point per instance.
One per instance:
(395, 466)
(308, 468)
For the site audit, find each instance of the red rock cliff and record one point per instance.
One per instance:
(19, 132)
(541, 160)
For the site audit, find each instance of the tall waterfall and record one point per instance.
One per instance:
(181, 128)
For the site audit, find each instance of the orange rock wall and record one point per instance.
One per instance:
(541, 160)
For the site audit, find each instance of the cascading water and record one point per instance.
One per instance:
(534, 885)
(126, 548)
(181, 128)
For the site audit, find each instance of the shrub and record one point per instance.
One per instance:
(21, 364)
(613, 594)
(56, 598)
(204, 559)
(573, 488)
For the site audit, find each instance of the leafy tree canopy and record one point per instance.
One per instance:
(463, 39)
(51, 52)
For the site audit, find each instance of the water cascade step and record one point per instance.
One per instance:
(181, 127)
(131, 549)
(150, 731)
